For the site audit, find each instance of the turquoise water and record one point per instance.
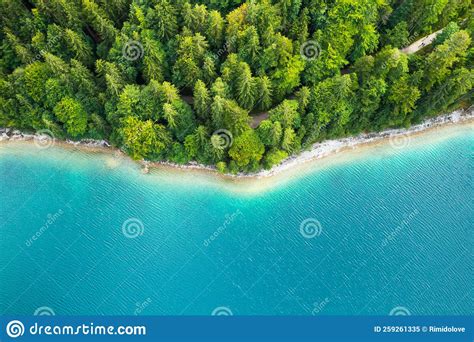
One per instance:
(393, 229)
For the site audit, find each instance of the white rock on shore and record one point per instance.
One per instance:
(7, 134)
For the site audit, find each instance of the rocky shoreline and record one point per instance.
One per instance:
(42, 136)
(397, 138)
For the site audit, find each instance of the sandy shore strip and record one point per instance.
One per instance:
(396, 137)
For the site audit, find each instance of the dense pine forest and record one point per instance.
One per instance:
(232, 83)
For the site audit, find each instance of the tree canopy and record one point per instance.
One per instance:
(183, 80)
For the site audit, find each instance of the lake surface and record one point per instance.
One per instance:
(385, 229)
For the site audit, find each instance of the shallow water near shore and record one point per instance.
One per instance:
(362, 232)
